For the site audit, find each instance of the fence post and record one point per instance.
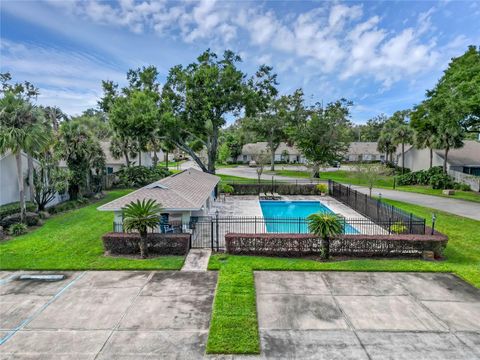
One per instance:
(433, 223)
(255, 224)
(216, 227)
(410, 224)
(299, 226)
(211, 232)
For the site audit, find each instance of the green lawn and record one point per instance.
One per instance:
(385, 182)
(171, 164)
(234, 326)
(72, 241)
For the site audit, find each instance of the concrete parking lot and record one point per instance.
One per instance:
(348, 315)
(302, 315)
(107, 315)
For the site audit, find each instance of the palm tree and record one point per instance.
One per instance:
(450, 136)
(55, 115)
(325, 226)
(19, 131)
(401, 135)
(386, 145)
(140, 216)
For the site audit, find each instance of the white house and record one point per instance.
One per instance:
(463, 163)
(187, 194)
(284, 153)
(364, 151)
(9, 180)
(112, 165)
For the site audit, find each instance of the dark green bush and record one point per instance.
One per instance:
(424, 177)
(138, 176)
(441, 181)
(225, 188)
(14, 208)
(462, 187)
(31, 219)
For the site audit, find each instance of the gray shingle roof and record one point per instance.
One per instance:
(187, 190)
(256, 148)
(468, 155)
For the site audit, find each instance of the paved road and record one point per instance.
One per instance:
(455, 206)
(464, 208)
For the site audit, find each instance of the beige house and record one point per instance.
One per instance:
(284, 153)
(184, 195)
(112, 165)
(364, 151)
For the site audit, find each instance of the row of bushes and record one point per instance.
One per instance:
(14, 208)
(163, 244)
(435, 177)
(299, 245)
(282, 189)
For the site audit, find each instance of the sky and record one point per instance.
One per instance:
(380, 55)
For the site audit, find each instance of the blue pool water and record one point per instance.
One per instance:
(275, 213)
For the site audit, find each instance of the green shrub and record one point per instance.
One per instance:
(462, 187)
(225, 188)
(17, 229)
(31, 219)
(14, 208)
(138, 176)
(441, 181)
(398, 228)
(322, 188)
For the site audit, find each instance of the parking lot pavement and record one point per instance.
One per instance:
(351, 315)
(106, 315)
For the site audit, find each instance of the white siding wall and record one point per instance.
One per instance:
(419, 159)
(8, 179)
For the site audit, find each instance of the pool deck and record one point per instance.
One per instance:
(249, 206)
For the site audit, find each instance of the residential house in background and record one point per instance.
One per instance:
(112, 165)
(9, 181)
(364, 151)
(463, 164)
(182, 196)
(285, 153)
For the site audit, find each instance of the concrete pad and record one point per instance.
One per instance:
(36, 287)
(155, 345)
(113, 279)
(441, 287)
(88, 309)
(290, 282)
(54, 344)
(457, 315)
(418, 346)
(14, 309)
(175, 283)
(185, 312)
(197, 260)
(298, 312)
(471, 339)
(387, 313)
(5, 275)
(328, 345)
(363, 283)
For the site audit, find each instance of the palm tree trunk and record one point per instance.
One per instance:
(431, 158)
(166, 158)
(127, 160)
(139, 158)
(31, 185)
(155, 158)
(21, 190)
(403, 158)
(143, 245)
(326, 248)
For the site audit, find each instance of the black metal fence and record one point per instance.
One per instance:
(376, 210)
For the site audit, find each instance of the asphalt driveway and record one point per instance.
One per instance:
(106, 315)
(348, 315)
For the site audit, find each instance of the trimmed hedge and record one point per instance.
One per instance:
(14, 208)
(282, 189)
(161, 244)
(31, 219)
(297, 245)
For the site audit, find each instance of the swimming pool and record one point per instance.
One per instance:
(275, 212)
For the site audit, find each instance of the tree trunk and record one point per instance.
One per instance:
(190, 152)
(212, 151)
(326, 248)
(139, 158)
(21, 190)
(431, 158)
(316, 171)
(445, 160)
(127, 159)
(403, 158)
(166, 159)
(143, 245)
(31, 185)
(155, 158)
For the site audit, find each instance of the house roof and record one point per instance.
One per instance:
(468, 155)
(187, 190)
(255, 148)
(362, 148)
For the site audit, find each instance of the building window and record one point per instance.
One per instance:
(109, 170)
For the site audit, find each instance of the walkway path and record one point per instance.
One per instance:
(197, 260)
(464, 208)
